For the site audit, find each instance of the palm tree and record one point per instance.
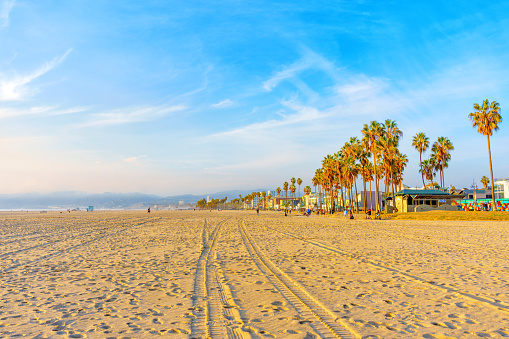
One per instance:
(485, 181)
(278, 191)
(264, 194)
(487, 118)
(299, 182)
(441, 156)
(428, 168)
(421, 143)
(372, 134)
(292, 190)
(285, 188)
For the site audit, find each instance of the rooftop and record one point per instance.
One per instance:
(420, 192)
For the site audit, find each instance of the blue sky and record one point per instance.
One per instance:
(172, 97)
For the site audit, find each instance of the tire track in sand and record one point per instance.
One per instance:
(328, 325)
(492, 303)
(216, 314)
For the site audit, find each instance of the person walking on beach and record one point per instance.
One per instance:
(148, 211)
(257, 211)
(345, 214)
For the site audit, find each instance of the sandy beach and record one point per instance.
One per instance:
(222, 274)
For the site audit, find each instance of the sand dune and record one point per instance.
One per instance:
(237, 275)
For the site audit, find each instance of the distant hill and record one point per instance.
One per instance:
(107, 200)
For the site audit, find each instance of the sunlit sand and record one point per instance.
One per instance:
(222, 274)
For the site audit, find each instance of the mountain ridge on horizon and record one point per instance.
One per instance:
(105, 200)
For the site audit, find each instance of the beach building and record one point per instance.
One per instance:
(279, 203)
(412, 200)
(370, 199)
(501, 188)
(477, 193)
(481, 200)
(310, 201)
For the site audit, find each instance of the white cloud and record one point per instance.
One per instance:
(133, 114)
(41, 111)
(15, 88)
(302, 114)
(223, 104)
(308, 61)
(5, 10)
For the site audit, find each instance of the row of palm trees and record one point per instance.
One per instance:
(373, 158)
(376, 157)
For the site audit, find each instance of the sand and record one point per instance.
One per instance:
(224, 274)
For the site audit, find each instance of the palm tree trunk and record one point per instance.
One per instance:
(356, 206)
(351, 197)
(370, 200)
(422, 174)
(376, 182)
(364, 187)
(494, 207)
(393, 197)
(342, 200)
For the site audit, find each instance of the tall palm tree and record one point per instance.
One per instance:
(368, 176)
(485, 181)
(292, 190)
(353, 149)
(285, 188)
(299, 182)
(264, 194)
(487, 118)
(372, 133)
(292, 180)
(421, 143)
(363, 157)
(278, 191)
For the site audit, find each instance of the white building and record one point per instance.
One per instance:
(502, 188)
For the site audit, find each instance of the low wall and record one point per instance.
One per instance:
(447, 208)
(423, 208)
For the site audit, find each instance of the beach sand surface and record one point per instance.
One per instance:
(233, 274)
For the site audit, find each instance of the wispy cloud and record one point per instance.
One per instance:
(16, 88)
(301, 115)
(223, 104)
(41, 111)
(310, 60)
(132, 114)
(5, 10)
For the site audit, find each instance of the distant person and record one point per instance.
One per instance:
(345, 213)
(350, 214)
(368, 214)
(148, 211)
(257, 211)
(286, 214)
